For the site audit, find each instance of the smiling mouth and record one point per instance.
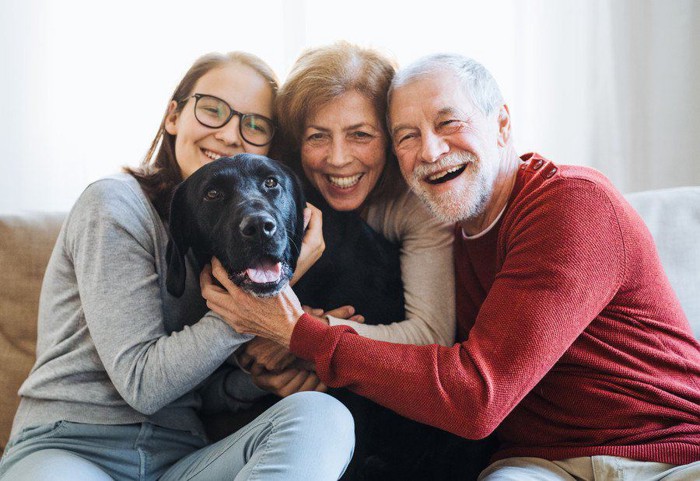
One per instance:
(445, 175)
(344, 182)
(212, 155)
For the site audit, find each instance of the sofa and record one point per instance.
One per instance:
(26, 241)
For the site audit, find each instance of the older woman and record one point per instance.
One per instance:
(331, 111)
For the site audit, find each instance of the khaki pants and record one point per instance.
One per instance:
(594, 468)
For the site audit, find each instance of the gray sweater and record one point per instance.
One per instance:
(113, 346)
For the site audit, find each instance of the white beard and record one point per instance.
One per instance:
(466, 199)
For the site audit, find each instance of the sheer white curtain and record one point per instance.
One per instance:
(614, 84)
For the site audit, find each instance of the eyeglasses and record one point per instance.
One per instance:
(214, 113)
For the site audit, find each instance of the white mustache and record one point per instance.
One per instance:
(451, 160)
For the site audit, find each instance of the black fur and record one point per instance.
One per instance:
(359, 268)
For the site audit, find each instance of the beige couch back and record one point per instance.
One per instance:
(25, 246)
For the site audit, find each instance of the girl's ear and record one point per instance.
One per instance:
(171, 118)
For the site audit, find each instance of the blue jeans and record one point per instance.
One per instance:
(306, 436)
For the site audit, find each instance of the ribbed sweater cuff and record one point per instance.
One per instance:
(307, 336)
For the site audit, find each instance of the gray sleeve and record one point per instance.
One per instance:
(111, 238)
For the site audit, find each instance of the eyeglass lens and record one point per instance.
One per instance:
(215, 113)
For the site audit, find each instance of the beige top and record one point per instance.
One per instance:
(427, 272)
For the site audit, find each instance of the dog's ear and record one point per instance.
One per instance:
(178, 244)
(300, 204)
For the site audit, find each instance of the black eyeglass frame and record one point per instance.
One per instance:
(242, 116)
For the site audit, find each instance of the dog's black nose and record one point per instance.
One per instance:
(258, 225)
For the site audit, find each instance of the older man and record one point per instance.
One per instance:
(573, 347)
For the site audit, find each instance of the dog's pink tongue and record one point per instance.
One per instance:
(265, 272)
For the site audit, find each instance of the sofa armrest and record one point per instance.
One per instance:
(673, 217)
(26, 242)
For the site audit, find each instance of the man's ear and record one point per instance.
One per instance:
(503, 126)
(178, 244)
(171, 118)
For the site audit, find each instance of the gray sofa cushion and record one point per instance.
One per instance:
(673, 217)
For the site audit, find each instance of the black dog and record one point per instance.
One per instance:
(248, 212)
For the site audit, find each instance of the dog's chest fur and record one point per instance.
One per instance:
(359, 268)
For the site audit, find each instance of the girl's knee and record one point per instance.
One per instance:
(318, 403)
(321, 412)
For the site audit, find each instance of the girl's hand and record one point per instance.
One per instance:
(268, 354)
(273, 318)
(345, 312)
(313, 245)
(287, 382)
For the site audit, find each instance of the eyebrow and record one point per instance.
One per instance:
(445, 111)
(396, 129)
(316, 127)
(350, 127)
(359, 125)
(451, 111)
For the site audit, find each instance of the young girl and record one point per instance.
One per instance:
(123, 367)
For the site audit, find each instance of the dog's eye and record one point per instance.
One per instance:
(270, 182)
(212, 194)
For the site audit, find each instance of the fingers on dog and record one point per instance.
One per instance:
(314, 230)
(221, 275)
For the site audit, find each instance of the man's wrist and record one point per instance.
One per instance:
(308, 335)
(285, 336)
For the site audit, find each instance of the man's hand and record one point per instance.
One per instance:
(286, 382)
(269, 317)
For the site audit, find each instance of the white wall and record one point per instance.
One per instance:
(607, 83)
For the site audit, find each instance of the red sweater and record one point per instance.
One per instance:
(572, 340)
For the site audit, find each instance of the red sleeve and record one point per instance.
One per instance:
(564, 262)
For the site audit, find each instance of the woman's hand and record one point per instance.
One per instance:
(273, 317)
(266, 353)
(343, 312)
(287, 382)
(313, 245)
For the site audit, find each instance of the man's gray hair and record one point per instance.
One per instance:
(478, 83)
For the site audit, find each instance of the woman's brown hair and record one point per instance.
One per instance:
(159, 171)
(322, 74)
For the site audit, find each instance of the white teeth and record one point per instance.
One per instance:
(442, 174)
(211, 154)
(344, 182)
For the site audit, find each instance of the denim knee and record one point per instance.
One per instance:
(323, 414)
